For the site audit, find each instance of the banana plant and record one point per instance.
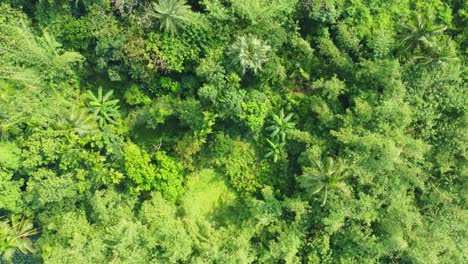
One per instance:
(275, 149)
(15, 235)
(281, 124)
(105, 109)
(209, 120)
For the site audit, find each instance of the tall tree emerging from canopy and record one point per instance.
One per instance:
(172, 14)
(249, 53)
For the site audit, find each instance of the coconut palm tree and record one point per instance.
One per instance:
(420, 32)
(15, 235)
(172, 14)
(105, 110)
(440, 53)
(249, 53)
(280, 125)
(325, 177)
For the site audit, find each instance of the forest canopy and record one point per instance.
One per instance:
(233, 131)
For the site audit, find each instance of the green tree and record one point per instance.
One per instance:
(238, 161)
(255, 108)
(105, 110)
(169, 177)
(171, 14)
(166, 232)
(32, 60)
(139, 169)
(419, 32)
(325, 176)
(263, 13)
(249, 53)
(440, 53)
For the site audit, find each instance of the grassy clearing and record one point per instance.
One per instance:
(206, 192)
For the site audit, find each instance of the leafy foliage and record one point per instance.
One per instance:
(226, 138)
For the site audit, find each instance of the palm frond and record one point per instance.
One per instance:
(326, 175)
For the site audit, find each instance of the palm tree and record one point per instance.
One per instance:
(280, 125)
(275, 149)
(209, 120)
(420, 32)
(249, 53)
(79, 121)
(172, 14)
(14, 235)
(325, 176)
(439, 54)
(105, 110)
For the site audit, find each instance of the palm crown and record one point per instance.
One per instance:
(325, 176)
(172, 14)
(439, 54)
(420, 32)
(249, 53)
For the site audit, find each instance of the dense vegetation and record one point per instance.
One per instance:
(233, 131)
